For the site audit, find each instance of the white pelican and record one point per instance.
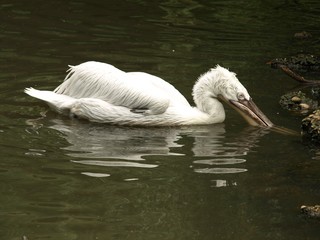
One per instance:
(100, 92)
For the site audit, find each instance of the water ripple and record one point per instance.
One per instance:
(126, 147)
(97, 175)
(115, 164)
(220, 170)
(220, 161)
(222, 183)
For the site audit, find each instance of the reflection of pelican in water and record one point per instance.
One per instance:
(100, 92)
(109, 146)
(218, 156)
(122, 143)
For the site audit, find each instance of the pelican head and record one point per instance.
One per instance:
(220, 83)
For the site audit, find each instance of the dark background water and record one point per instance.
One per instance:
(66, 179)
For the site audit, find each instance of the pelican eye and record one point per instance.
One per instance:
(241, 96)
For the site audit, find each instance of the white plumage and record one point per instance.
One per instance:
(102, 93)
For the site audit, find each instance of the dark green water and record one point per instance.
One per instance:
(65, 179)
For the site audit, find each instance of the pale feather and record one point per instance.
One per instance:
(133, 89)
(100, 92)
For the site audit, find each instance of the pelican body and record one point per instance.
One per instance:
(100, 92)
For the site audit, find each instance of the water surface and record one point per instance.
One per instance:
(67, 179)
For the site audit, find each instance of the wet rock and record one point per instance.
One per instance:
(304, 106)
(310, 127)
(311, 211)
(304, 62)
(296, 99)
(302, 35)
(315, 91)
(298, 102)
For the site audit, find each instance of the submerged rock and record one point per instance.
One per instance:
(298, 102)
(303, 35)
(310, 127)
(311, 211)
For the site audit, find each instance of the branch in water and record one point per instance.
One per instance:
(296, 76)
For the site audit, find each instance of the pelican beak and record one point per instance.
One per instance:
(250, 112)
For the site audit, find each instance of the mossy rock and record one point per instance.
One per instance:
(306, 62)
(310, 127)
(311, 211)
(297, 102)
(315, 91)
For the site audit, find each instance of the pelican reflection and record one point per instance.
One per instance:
(111, 146)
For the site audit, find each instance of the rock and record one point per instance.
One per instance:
(315, 91)
(302, 62)
(302, 35)
(311, 211)
(310, 127)
(298, 102)
(296, 99)
(304, 106)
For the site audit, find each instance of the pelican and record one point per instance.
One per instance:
(100, 92)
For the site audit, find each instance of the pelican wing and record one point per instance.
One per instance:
(134, 90)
